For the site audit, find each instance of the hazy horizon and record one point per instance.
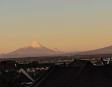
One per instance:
(70, 25)
(38, 45)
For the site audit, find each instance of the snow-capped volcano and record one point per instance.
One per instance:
(36, 45)
(34, 50)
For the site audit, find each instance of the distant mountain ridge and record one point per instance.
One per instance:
(105, 50)
(38, 50)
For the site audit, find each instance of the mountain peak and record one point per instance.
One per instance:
(35, 44)
(34, 50)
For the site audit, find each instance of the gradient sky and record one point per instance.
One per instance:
(65, 24)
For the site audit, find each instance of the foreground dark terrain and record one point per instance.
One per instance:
(13, 74)
(78, 73)
(85, 75)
